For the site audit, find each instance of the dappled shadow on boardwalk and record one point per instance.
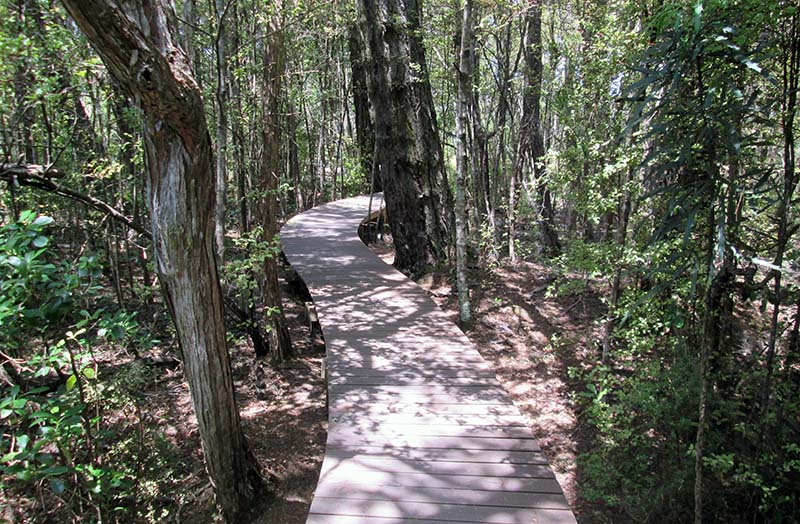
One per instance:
(420, 430)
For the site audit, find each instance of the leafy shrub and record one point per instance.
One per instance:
(55, 413)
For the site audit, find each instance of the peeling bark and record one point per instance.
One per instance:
(136, 41)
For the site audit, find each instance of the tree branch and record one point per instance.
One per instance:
(42, 177)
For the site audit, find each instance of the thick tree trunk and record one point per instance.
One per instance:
(274, 59)
(137, 44)
(408, 151)
(464, 73)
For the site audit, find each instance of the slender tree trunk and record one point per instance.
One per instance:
(481, 182)
(504, 72)
(294, 161)
(274, 60)
(222, 126)
(464, 73)
(138, 46)
(188, 20)
(620, 238)
(22, 79)
(511, 217)
(715, 307)
(791, 77)
(365, 130)
(532, 120)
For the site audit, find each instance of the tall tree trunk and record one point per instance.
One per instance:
(532, 124)
(310, 142)
(22, 79)
(365, 130)
(481, 182)
(464, 73)
(138, 46)
(503, 108)
(220, 7)
(620, 239)
(274, 59)
(294, 161)
(188, 21)
(407, 146)
(791, 77)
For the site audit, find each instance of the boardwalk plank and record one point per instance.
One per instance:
(460, 497)
(420, 430)
(441, 455)
(365, 427)
(344, 439)
(422, 510)
(356, 463)
(425, 481)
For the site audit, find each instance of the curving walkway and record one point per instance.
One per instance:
(420, 430)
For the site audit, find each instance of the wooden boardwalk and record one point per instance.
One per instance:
(420, 430)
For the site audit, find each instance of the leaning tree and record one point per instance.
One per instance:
(138, 44)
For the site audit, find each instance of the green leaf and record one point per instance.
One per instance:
(118, 332)
(43, 221)
(27, 216)
(71, 381)
(40, 241)
(89, 373)
(56, 470)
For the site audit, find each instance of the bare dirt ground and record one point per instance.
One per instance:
(283, 415)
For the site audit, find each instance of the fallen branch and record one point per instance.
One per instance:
(43, 178)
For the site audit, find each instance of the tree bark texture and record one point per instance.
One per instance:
(220, 7)
(464, 73)
(407, 146)
(136, 41)
(531, 134)
(280, 344)
(365, 130)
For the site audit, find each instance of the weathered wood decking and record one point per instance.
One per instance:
(420, 430)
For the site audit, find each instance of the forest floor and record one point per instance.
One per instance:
(284, 417)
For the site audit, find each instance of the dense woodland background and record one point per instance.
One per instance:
(643, 151)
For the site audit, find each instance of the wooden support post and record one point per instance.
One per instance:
(311, 314)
